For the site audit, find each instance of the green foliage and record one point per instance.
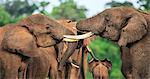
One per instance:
(104, 48)
(144, 4)
(19, 7)
(15, 10)
(68, 10)
(115, 4)
(4, 16)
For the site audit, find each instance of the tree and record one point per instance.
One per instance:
(19, 7)
(115, 4)
(43, 4)
(144, 4)
(68, 9)
(4, 16)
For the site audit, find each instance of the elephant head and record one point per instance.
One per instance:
(122, 24)
(100, 69)
(34, 31)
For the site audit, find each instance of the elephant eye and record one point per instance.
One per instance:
(123, 30)
(48, 26)
(69, 21)
(107, 18)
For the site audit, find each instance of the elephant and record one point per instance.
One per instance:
(66, 73)
(73, 63)
(11, 65)
(27, 37)
(100, 68)
(127, 27)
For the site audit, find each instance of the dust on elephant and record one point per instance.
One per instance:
(130, 28)
(26, 37)
(100, 68)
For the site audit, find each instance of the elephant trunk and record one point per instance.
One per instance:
(94, 24)
(71, 48)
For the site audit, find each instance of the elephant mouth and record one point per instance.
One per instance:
(72, 38)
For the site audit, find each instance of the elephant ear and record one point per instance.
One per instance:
(45, 40)
(135, 29)
(18, 40)
(36, 23)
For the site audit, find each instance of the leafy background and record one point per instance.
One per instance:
(11, 11)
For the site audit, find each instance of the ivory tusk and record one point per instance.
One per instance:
(91, 53)
(76, 66)
(88, 49)
(70, 40)
(79, 36)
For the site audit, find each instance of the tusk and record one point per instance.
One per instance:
(79, 36)
(76, 66)
(91, 60)
(91, 53)
(70, 40)
(88, 49)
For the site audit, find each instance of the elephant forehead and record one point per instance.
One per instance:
(35, 19)
(68, 24)
(100, 70)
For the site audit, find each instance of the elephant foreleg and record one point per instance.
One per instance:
(126, 62)
(9, 65)
(22, 71)
(38, 66)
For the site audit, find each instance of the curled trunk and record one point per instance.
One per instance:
(71, 48)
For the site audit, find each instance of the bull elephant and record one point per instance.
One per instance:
(68, 70)
(79, 57)
(130, 28)
(26, 39)
(100, 68)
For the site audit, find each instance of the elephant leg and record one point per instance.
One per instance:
(53, 69)
(9, 65)
(38, 66)
(141, 64)
(83, 63)
(22, 71)
(59, 48)
(126, 62)
(51, 55)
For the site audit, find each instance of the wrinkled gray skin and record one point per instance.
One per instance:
(130, 28)
(28, 36)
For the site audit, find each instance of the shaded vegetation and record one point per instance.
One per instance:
(104, 48)
(68, 9)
